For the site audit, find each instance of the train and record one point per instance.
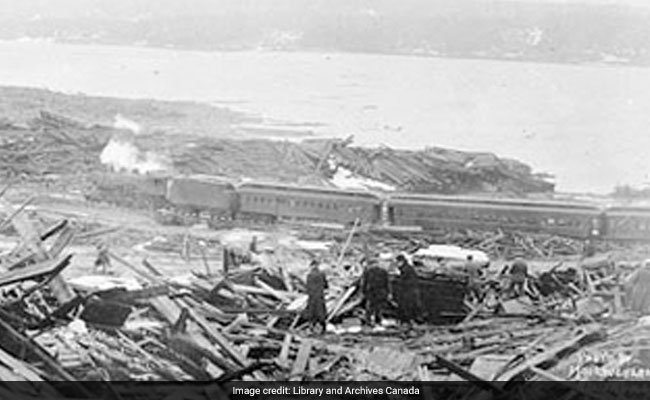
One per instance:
(188, 198)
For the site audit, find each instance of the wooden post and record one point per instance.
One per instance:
(347, 244)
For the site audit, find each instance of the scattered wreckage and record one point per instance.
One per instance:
(482, 322)
(248, 325)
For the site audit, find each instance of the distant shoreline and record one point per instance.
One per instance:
(604, 63)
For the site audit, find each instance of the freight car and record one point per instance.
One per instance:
(279, 201)
(430, 212)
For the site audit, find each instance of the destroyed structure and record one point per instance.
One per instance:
(491, 328)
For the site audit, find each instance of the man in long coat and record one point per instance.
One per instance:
(408, 297)
(316, 285)
(374, 286)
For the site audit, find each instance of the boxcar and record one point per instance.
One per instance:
(627, 223)
(308, 203)
(430, 212)
(203, 194)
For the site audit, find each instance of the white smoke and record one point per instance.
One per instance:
(127, 124)
(123, 156)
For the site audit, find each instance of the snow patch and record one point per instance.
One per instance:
(345, 179)
(122, 122)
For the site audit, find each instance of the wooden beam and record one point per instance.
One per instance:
(589, 331)
(347, 244)
(34, 271)
(133, 267)
(19, 367)
(217, 337)
(283, 357)
(39, 352)
(32, 241)
(301, 360)
(468, 376)
(340, 302)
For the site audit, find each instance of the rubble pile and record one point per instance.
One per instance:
(433, 170)
(54, 144)
(316, 161)
(498, 244)
(248, 324)
(489, 325)
(51, 145)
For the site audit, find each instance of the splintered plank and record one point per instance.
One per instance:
(18, 367)
(283, 358)
(218, 338)
(167, 308)
(33, 271)
(302, 359)
(340, 301)
(32, 241)
(588, 333)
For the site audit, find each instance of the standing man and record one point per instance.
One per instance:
(103, 261)
(374, 286)
(408, 298)
(253, 246)
(474, 275)
(316, 285)
(226, 260)
(518, 277)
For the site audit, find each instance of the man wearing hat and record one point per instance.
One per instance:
(408, 297)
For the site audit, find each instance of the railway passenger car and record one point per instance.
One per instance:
(201, 194)
(628, 223)
(280, 201)
(430, 212)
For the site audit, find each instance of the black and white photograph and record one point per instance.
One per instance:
(337, 199)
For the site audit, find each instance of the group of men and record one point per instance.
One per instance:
(376, 290)
(378, 295)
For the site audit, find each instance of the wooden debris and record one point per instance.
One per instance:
(300, 364)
